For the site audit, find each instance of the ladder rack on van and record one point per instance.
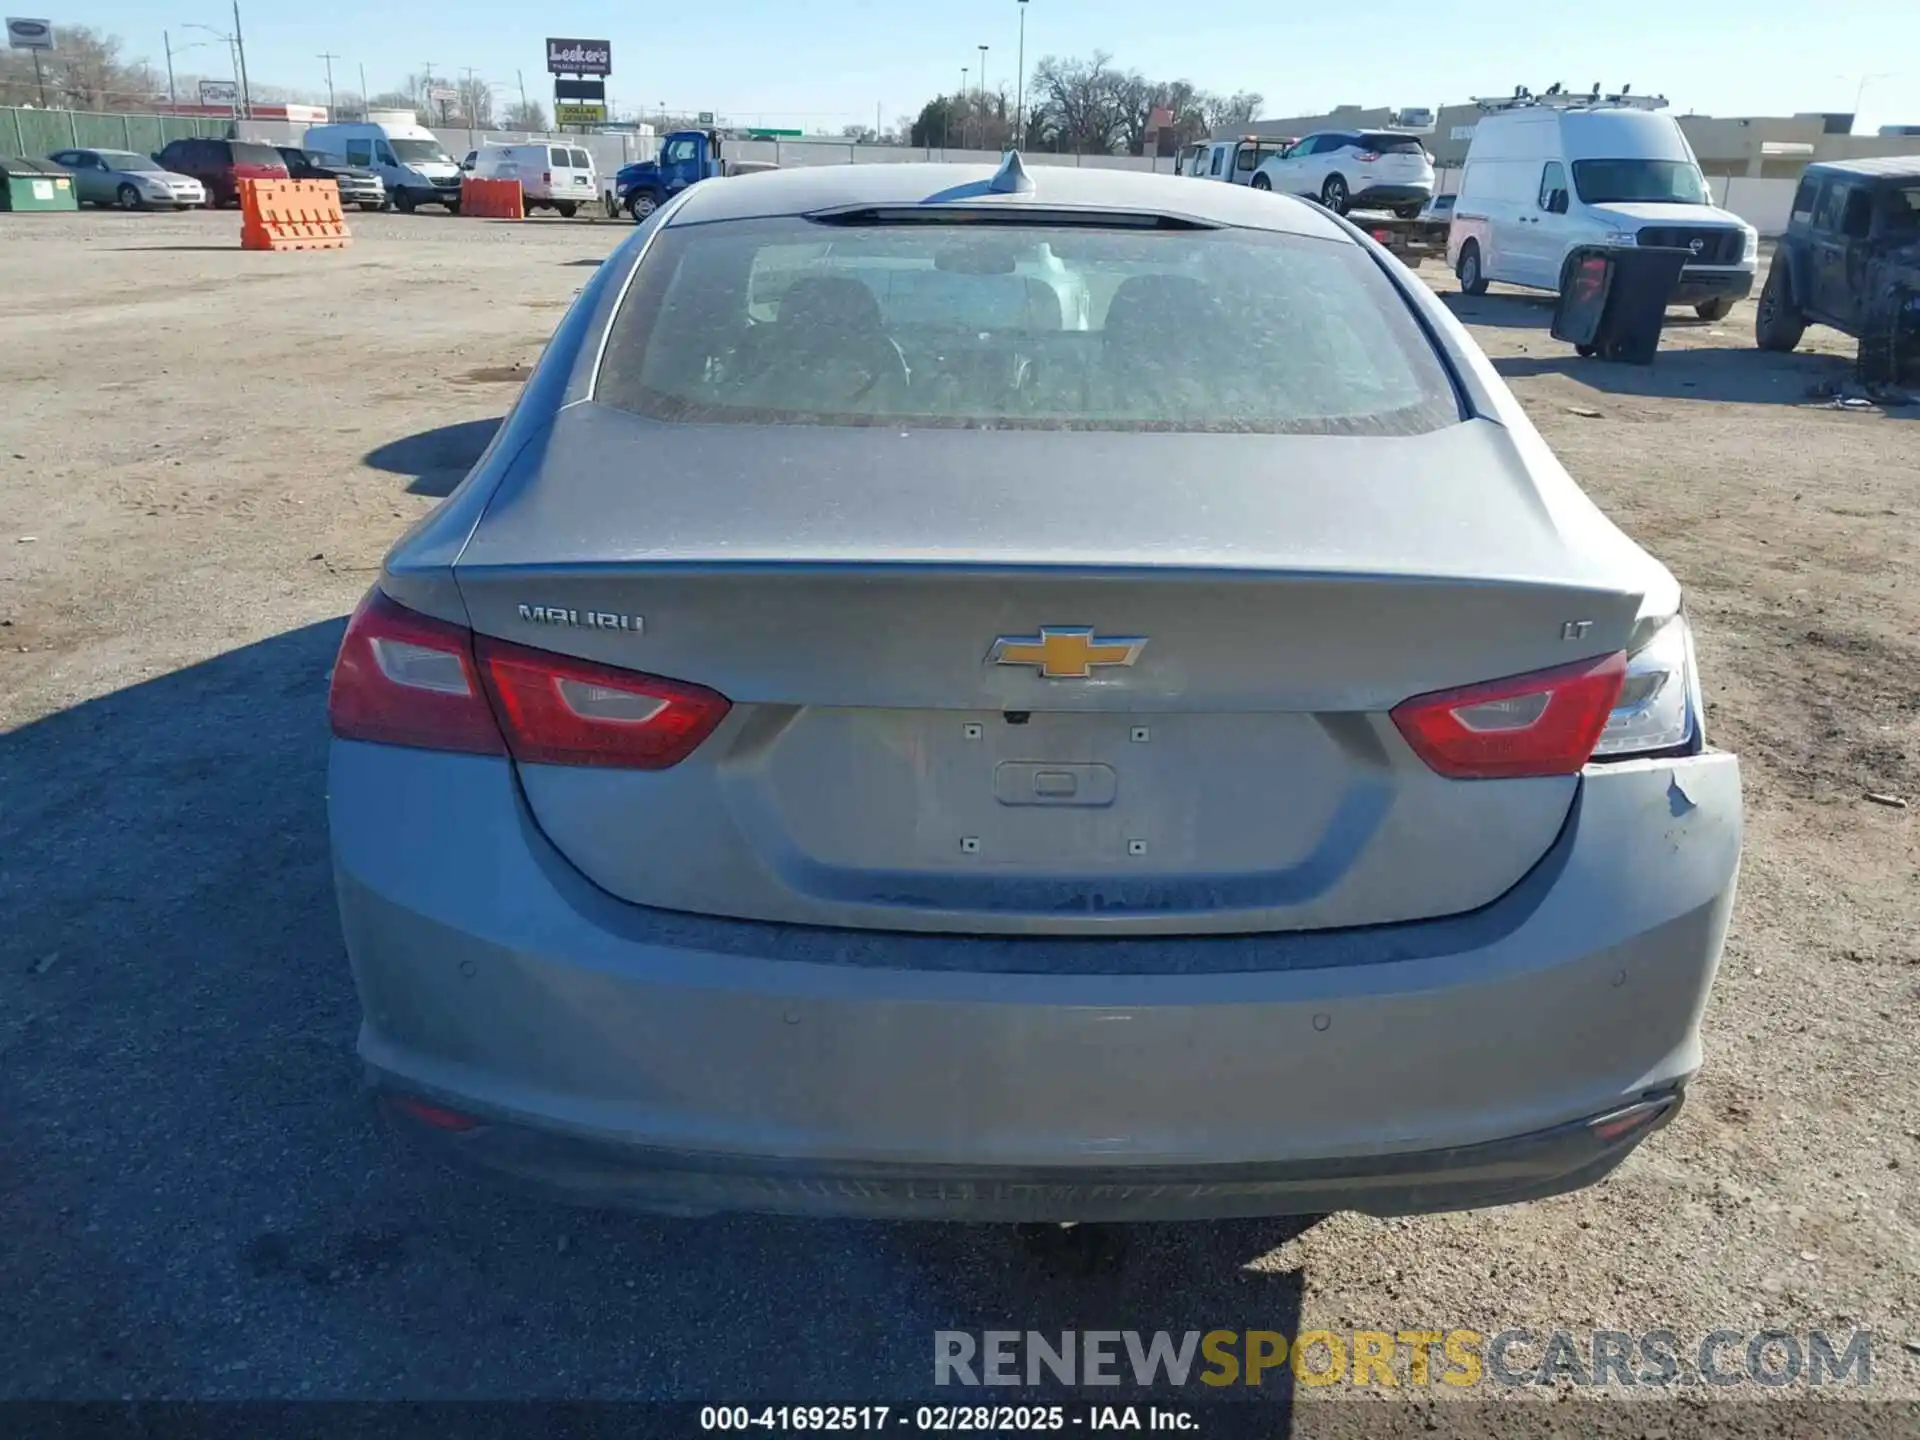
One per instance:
(1558, 99)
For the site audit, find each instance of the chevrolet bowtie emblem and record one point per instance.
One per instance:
(1066, 652)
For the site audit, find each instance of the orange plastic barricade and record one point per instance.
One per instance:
(292, 215)
(492, 199)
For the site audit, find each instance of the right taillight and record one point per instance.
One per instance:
(403, 678)
(1546, 722)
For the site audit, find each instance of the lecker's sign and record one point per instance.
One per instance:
(579, 57)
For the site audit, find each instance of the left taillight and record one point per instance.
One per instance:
(408, 679)
(1546, 722)
(404, 678)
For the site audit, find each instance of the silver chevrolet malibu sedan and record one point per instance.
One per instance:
(1024, 695)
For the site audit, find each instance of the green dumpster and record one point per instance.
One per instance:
(35, 185)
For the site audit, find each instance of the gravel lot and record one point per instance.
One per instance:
(205, 454)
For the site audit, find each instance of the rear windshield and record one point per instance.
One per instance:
(1671, 182)
(245, 154)
(1389, 144)
(784, 321)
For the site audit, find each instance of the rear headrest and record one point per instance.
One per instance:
(819, 310)
(1155, 309)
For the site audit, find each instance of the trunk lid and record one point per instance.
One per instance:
(881, 769)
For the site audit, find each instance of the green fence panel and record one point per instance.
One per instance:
(37, 133)
(144, 134)
(100, 132)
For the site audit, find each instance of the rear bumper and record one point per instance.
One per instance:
(640, 1057)
(1392, 194)
(1499, 1172)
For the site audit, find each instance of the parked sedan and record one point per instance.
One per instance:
(881, 744)
(357, 186)
(127, 180)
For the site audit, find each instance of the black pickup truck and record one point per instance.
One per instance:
(1851, 259)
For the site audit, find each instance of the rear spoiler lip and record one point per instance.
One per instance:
(937, 210)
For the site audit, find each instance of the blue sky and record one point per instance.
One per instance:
(814, 63)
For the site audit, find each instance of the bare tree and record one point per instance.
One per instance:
(963, 122)
(85, 73)
(475, 102)
(1225, 113)
(528, 115)
(395, 100)
(1077, 106)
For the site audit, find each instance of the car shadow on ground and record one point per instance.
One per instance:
(199, 1201)
(437, 459)
(1528, 311)
(1745, 377)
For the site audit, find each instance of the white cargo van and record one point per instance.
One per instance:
(552, 176)
(1545, 175)
(407, 156)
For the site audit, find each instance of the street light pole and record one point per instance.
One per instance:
(363, 89)
(964, 72)
(1020, 100)
(983, 97)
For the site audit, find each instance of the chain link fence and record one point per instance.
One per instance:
(35, 133)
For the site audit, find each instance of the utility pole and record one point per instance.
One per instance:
(467, 97)
(1020, 100)
(329, 58)
(240, 49)
(364, 107)
(964, 72)
(167, 41)
(524, 107)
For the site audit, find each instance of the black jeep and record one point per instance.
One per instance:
(1850, 259)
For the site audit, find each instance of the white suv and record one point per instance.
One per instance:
(1345, 169)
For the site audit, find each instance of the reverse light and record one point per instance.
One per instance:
(1545, 722)
(404, 678)
(1657, 708)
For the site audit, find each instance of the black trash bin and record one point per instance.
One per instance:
(1613, 302)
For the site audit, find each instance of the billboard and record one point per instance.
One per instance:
(579, 114)
(579, 57)
(594, 90)
(29, 34)
(218, 92)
